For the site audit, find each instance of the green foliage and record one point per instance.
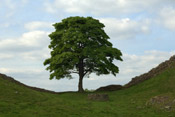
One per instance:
(80, 45)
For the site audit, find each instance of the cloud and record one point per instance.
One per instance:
(10, 7)
(5, 56)
(125, 28)
(38, 25)
(30, 47)
(133, 65)
(22, 57)
(121, 28)
(114, 7)
(38, 55)
(167, 17)
(20, 70)
(29, 41)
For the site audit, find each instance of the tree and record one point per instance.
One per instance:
(80, 45)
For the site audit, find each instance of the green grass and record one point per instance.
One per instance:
(19, 101)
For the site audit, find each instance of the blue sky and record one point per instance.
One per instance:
(143, 30)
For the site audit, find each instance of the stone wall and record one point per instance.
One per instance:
(153, 72)
(110, 88)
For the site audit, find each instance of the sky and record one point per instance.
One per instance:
(144, 31)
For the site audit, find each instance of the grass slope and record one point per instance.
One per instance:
(19, 101)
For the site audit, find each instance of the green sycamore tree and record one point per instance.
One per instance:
(80, 45)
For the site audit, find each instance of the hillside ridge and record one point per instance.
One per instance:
(5, 77)
(153, 72)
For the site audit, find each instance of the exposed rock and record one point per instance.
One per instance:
(110, 88)
(174, 101)
(162, 102)
(153, 72)
(158, 100)
(98, 97)
(167, 107)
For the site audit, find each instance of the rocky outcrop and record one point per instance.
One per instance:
(155, 71)
(110, 88)
(162, 102)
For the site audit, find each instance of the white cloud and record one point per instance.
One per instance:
(31, 47)
(38, 25)
(167, 17)
(4, 56)
(121, 28)
(114, 7)
(124, 19)
(135, 64)
(38, 55)
(10, 6)
(132, 65)
(19, 70)
(125, 28)
(34, 39)
(29, 41)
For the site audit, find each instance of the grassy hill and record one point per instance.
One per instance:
(153, 97)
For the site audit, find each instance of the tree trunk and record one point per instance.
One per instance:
(81, 75)
(80, 84)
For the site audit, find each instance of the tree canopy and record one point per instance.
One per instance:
(80, 45)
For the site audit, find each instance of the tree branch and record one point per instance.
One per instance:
(86, 71)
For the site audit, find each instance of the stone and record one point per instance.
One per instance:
(174, 101)
(158, 100)
(167, 107)
(98, 97)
